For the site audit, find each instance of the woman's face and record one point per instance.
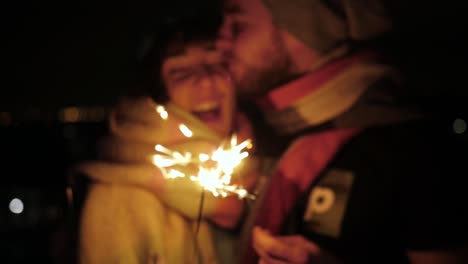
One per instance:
(197, 81)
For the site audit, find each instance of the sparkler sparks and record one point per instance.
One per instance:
(214, 171)
(162, 112)
(185, 130)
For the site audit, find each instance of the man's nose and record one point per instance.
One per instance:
(225, 36)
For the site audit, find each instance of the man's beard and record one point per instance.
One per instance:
(272, 70)
(256, 81)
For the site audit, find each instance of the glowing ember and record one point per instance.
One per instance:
(162, 112)
(185, 130)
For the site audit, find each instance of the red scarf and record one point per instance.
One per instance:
(305, 158)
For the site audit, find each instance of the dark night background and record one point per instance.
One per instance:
(83, 54)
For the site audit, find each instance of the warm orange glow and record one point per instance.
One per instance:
(71, 114)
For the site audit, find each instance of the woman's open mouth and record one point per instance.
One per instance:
(209, 113)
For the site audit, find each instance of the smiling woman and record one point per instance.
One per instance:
(185, 70)
(184, 67)
(196, 81)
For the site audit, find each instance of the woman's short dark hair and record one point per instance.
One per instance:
(169, 38)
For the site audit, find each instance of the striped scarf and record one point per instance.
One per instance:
(324, 110)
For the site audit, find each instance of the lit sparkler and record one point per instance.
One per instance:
(214, 170)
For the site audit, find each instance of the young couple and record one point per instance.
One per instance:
(353, 185)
